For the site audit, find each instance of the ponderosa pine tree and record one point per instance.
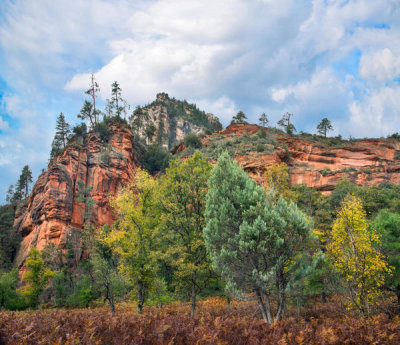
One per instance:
(93, 89)
(263, 120)
(63, 132)
(22, 189)
(116, 105)
(87, 113)
(286, 124)
(252, 240)
(240, 117)
(324, 126)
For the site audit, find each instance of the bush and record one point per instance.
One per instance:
(260, 148)
(192, 140)
(156, 159)
(105, 156)
(262, 134)
(103, 131)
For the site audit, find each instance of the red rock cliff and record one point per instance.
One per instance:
(315, 163)
(52, 211)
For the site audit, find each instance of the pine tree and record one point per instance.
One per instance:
(252, 241)
(93, 89)
(87, 113)
(117, 105)
(22, 189)
(240, 117)
(263, 120)
(10, 194)
(324, 126)
(285, 123)
(63, 133)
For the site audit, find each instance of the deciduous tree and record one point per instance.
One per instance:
(354, 254)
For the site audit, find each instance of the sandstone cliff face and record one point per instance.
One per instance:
(52, 212)
(316, 164)
(171, 121)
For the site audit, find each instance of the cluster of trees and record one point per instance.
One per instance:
(199, 230)
(285, 122)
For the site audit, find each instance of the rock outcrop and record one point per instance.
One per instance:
(52, 212)
(312, 160)
(166, 121)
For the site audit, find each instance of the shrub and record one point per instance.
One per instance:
(105, 156)
(156, 159)
(192, 140)
(103, 131)
(260, 148)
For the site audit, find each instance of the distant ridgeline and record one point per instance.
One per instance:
(166, 121)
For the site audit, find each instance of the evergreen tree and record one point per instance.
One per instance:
(63, 132)
(117, 105)
(263, 120)
(252, 241)
(286, 124)
(10, 194)
(87, 113)
(324, 126)
(93, 89)
(240, 117)
(22, 190)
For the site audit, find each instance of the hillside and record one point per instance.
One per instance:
(313, 160)
(166, 121)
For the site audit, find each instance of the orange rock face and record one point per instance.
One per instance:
(363, 162)
(52, 211)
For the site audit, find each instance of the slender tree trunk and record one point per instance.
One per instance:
(228, 304)
(262, 306)
(140, 298)
(267, 304)
(281, 286)
(111, 303)
(193, 295)
(323, 297)
(398, 295)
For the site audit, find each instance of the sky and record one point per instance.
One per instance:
(322, 58)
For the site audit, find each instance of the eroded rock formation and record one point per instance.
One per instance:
(52, 212)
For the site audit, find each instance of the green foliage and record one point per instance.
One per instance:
(10, 298)
(387, 225)
(117, 105)
(62, 136)
(285, 123)
(80, 129)
(105, 156)
(103, 131)
(36, 278)
(156, 159)
(260, 148)
(192, 140)
(183, 189)
(82, 295)
(9, 238)
(240, 117)
(324, 126)
(252, 241)
(22, 187)
(263, 120)
(150, 131)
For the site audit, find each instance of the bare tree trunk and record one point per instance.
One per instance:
(140, 298)
(228, 304)
(281, 286)
(262, 306)
(267, 304)
(193, 295)
(111, 303)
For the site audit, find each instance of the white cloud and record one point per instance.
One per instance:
(3, 124)
(377, 112)
(338, 59)
(380, 66)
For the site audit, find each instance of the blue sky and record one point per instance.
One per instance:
(339, 59)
